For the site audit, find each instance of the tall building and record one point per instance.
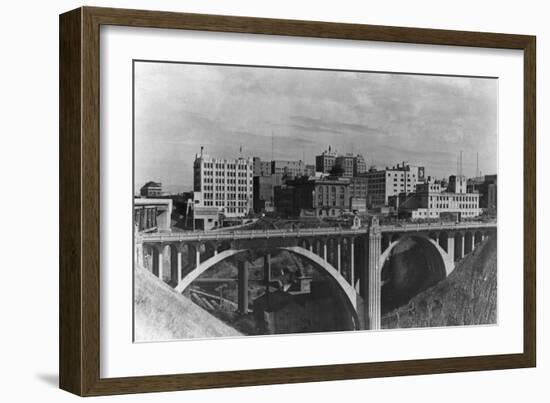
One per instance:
(488, 194)
(385, 183)
(325, 162)
(260, 167)
(346, 164)
(358, 187)
(264, 192)
(457, 184)
(223, 183)
(359, 165)
(151, 189)
(291, 169)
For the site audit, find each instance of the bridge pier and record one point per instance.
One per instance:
(339, 257)
(370, 287)
(242, 284)
(267, 271)
(197, 256)
(451, 247)
(180, 265)
(159, 263)
(352, 263)
(325, 251)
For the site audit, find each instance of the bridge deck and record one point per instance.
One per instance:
(309, 232)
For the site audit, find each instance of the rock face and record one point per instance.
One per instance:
(163, 314)
(467, 297)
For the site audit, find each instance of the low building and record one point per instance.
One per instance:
(152, 215)
(358, 205)
(288, 169)
(430, 202)
(206, 218)
(310, 170)
(151, 189)
(313, 196)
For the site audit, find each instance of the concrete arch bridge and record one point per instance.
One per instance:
(354, 259)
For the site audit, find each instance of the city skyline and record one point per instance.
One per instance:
(389, 118)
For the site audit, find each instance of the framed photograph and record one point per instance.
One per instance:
(249, 201)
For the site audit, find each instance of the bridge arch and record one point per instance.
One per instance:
(352, 298)
(410, 265)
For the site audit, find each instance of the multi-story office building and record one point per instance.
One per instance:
(288, 169)
(385, 183)
(359, 165)
(325, 162)
(358, 187)
(260, 167)
(345, 163)
(225, 184)
(151, 189)
(429, 201)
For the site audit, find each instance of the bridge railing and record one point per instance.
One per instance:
(437, 226)
(267, 233)
(305, 232)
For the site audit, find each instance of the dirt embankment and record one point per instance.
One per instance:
(163, 314)
(467, 297)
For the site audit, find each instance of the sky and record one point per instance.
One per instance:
(389, 118)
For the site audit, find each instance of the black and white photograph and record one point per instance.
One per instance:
(271, 200)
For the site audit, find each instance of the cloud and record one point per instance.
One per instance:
(387, 117)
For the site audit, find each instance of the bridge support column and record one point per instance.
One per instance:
(325, 251)
(339, 257)
(370, 280)
(242, 283)
(375, 283)
(463, 238)
(179, 265)
(159, 263)
(352, 263)
(197, 256)
(267, 270)
(451, 248)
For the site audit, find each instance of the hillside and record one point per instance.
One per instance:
(467, 297)
(163, 314)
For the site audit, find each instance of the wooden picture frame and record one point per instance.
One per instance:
(80, 187)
